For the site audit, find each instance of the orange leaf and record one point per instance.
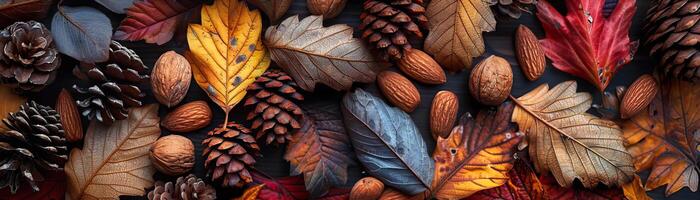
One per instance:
(522, 185)
(634, 190)
(251, 193)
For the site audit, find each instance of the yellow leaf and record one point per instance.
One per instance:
(10, 103)
(251, 193)
(226, 52)
(634, 190)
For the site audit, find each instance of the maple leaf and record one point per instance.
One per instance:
(585, 43)
(666, 137)
(154, 21)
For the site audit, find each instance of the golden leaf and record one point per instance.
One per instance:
(251, 193)
(456, 28)
(477, 155)
(114, 159)
(10, 103)
(634, 190)
(569, 142)
(226, 52)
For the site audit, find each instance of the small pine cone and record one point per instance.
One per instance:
(513, 8)
(229, 153)
(185, 188)
(111, 87)
(386, 24)
(33, 143)
(275, 113)
(671, 33)
(28, 56)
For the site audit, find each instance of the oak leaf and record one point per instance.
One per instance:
(114, 159)
(321, 150)
(634, 190)
(523, 184)
(10, 103)
(154, 21)
(666, 137)
(22, 10)
(274, 9)
(585, 43)
(477, 155)
(456, 28)
(226, 53)
(576, 192)
(567, 141)
(312, 54)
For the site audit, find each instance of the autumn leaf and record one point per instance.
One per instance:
(523, 184)
(10, 103)
(634, 190)
(154, 20)
(274, 9)
(114, 159)
(585, 43)
(576, 192)
(392, 194)
(312, 54)
(456, 28)
(53, 187)
(22, 10)
(287, 188)
(82, 33)
(567, 141)
(321, 150)
(226, 53)
(666, 137)
(477, 155)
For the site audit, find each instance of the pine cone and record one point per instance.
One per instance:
(386, 24)
(229, 153)
(111, 87)
(671, 32)
(185, 188)
(28, 56)
(513, 8)
(274, 110)
(33, 143)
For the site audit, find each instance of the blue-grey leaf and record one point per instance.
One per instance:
(116, 6)
(387, 143)
(83, 33)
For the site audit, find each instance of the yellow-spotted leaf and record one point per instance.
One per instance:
(226, 53)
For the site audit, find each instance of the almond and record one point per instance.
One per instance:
(367, 188)
(188, 117)
(171, 78)
(529, 53)
(638, 96)
(70, 117)
(421, 67)
(491, 81)
(398, 90)
(443, 113)
(327, 8)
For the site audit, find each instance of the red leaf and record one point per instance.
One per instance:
(52, 188)
(585, 43)
(291, 188)
(578, 192)
(522, 185)
(154, 20)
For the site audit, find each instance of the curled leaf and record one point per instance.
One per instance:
(22, 10)
(154, 20)
(82, 33)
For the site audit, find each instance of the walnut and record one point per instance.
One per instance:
(368, 188)
(491, 81)
(172, 155)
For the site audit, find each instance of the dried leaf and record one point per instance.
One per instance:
(154, 21)
(312, 54)
(569, 142)
(226, 52)
(10, 103)
(477, 155)
(321, 150)
(586, 44)
(114, 159)
(290, 188)
(274, 9)
(666, 137)
(53, 187)
(82, 33)
(387, 143)
(635, 190)
(392, 194)
(523, 184)
(251, 193)
(576, 192)
(23, 10)
(116, 6)
(455, 31)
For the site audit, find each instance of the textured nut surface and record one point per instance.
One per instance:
(638, 96)
(367, 188)
(529, 53)
(188, 117)
(172, 155)
(491, 81)
(443, 113)
(399, 90)
(170, 78)
(70, 117)
(421, 67)
(327, 8)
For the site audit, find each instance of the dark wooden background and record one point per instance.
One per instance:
(499, 42)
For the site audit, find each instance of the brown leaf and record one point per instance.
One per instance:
(274, 9)
(476, 155)
(666, 137)
(114, 159)
(317, 54)
(10, 103)
(576, 192)
(523, 184)
(634, 190)
(23, 10)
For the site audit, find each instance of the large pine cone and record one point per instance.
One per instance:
(185, 188)
(512, 8)
(229, 153)
(386, 24)
(273, 98)
(34, 143)
(113, 86)
(672, 32)
(28, 55)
